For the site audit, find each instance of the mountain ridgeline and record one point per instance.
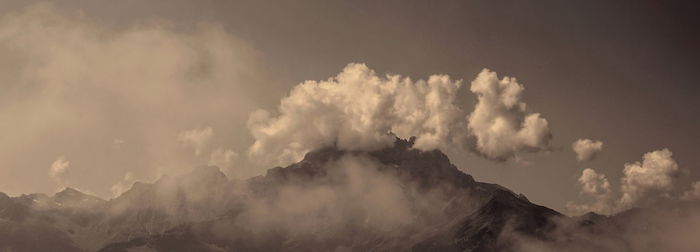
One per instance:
(393, 199)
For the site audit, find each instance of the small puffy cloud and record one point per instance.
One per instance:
(693, 193)
(652, 177)
(58, 170)
(197, 138)
(500, 122)
(357, 110)
(597, 187)
(642, 183)
(223, 158)
(586, 149)
(593, 183)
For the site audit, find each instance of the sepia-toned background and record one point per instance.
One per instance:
(98, 94)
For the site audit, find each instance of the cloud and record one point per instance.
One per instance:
(76, 79)
(197, 138)
(223, 158)
(356, 110)
(692, 194)
(593, 183)
(654, 176)
(358, 193)
(58, 170)
(597, 187)
(642, 183)
(586, 149)
(123, 185)
(500, 122)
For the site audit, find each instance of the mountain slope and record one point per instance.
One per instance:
(37, 222)
(393, 199)
(449, 210)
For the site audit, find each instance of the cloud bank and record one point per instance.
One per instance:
(586, 149)
(82, 83)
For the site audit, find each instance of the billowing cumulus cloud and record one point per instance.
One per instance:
(643, 182)
(500, 122)
(357, 109)
(586, 149)
(197, 138)
(651, 177)
(593, 183)
(596, 187)
(58, 170)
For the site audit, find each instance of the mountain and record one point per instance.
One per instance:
(72, 198)
(453, 212)
(148, 209)
(37, 222)
(393, 199)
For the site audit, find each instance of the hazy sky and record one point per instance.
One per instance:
(98, 93)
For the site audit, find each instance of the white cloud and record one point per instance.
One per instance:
(593, 183)
(58, 170)
(197, 138)
(123, 185)
(642, 183)
(223, 158)
(586, 149)
(597, 187)
(654, 176)
(500, 122)
(356, 110)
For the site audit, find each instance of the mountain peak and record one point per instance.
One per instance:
(427, 168)
(69, 191)
(74, 198)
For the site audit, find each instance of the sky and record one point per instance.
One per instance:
(97, 94)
